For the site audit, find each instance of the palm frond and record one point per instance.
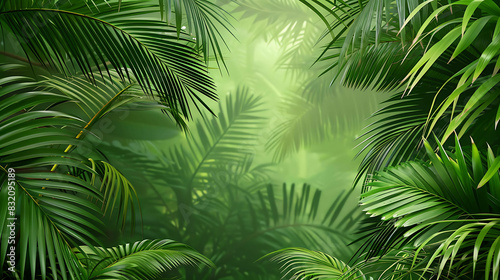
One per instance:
(256, 223)
(96, 99)
(357, 26)
(381, 67)
(475, 83)
(295, 213)
(146, 259)
(32, 142)
(436, 206)
(473, 248)
(217, 141)
(160, 62)
(399, 127)
(118, 192)
(304, 264)
(203, 19)
(43, 233)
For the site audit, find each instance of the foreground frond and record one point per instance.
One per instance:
(205, 21)
(53, 210)
(449, 205)
(304, 264)
(146, 259)
(159, 61)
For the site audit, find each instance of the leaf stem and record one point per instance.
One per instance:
(94, 119)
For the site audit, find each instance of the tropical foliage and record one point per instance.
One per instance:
(224, 204)
(431, 214)
(80, 61)
(148, 259)
(109, 135)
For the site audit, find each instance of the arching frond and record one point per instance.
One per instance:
(161, 63)
(437, 206)
(32, 141)
(304, 264)
(146, 259)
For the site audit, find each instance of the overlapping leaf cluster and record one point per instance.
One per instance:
(433, 204)
(80, 62)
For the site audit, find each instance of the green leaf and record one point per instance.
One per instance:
(471, 34)
(487, 55)
(146, 259)
(469, 11)
(492, 171)
(300, 263)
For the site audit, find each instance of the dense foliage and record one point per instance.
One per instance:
(112, 146)
(432, 199)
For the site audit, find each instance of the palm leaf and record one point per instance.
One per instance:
(218, 141)
(203, 19)
(398, 128)
(146, 259)
(357, 26)
(32, 141)
(160, 63)
(304, 264)
(472, 248)
(96, 99)
(484, 94)
(118, 192)
(437, 206)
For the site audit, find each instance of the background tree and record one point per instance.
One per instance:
(227, 206)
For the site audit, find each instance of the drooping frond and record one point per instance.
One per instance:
(469, 251)
(359, 28)
(118, 192)
(476, 83)
(204, 20)
(161, 63)
(96, 99)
